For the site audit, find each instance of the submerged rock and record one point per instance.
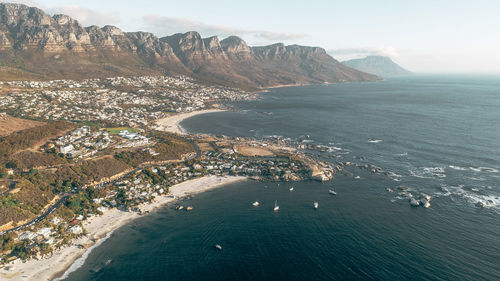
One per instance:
(405, 194)
(480, 204)
(414, 202)
(425, 196)
(425, 203)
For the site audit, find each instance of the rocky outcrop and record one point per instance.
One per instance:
(213, 46)
(194, 51)
(4, 41)
(76, 37)
(59, 47)
(155, 52)
(236, 48)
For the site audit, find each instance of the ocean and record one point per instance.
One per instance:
(435, 134)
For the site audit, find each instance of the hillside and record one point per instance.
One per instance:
(35, 45)
(377, 65)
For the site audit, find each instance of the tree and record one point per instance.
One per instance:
(7, 241)
(12, 164)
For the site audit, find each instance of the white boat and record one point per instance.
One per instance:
(218, 247)
(291, 189)
(276, 207)
(332, 192)
(256, 203)
(316, 205)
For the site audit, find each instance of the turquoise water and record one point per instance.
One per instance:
(435, 134)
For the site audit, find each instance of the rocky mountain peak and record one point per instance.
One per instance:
(235, 47)
(95, 51)
(15, 14)
(212, 43)
(186, 42)
(113, 30)
(64, 20)
(149, 44)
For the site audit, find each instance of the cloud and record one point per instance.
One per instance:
(274, 36)
(86, 16)
(363, 52)
(25, 2)
(167, 25)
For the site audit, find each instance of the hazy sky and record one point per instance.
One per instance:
(421, 35)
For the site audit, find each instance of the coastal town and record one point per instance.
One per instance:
(114, 144)
(133, 101)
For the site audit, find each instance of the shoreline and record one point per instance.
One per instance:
(298, 85)
(171, 123)
(99, 228)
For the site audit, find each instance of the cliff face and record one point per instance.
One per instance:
(36, 45)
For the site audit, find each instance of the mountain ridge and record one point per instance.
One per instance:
(35, 45)
(378, 65)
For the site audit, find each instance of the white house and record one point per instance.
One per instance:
(75, 229)
(66, 149)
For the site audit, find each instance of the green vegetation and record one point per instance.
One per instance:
(168, 147)
(33, 189)
(79, 202)
(7, 241)
(30, 137)
(27, 201)
(11, 146)
(29, 159)
(85, 172)
(116, 131)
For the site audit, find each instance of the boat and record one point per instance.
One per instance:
(276, 207)
(256, 203)
(189, 208)
(218, 247)
(332, 192)
(180, 207)
(291, 189)
(316, 205)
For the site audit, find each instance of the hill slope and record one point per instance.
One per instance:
(34, 45)
(377, 65)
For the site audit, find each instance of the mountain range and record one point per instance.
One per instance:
(378, 65)
(35, 45)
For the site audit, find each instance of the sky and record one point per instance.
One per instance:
(431, 36)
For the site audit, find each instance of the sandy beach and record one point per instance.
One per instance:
(171, 123)
(98, 229)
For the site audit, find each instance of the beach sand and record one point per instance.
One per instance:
(171, 123)
(98, 228)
